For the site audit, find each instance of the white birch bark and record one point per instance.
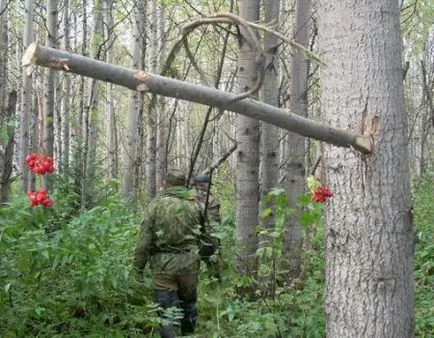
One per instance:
(369, 234)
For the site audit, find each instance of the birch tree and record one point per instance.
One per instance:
(369, 234)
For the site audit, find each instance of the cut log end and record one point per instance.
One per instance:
(364, 144)
(30, 55)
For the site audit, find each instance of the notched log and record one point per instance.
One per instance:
(143, 78)
(371, 128)
(59, 64)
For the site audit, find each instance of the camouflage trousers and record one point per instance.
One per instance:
(177, 289)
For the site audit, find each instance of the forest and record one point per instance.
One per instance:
(313, 119)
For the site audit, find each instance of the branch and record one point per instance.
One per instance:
(219, 161)
(157, 84)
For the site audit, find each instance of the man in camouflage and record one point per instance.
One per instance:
(170, 238)
(210, 255)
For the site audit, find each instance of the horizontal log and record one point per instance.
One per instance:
(142, 81)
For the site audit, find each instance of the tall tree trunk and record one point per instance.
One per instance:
(3, 54)
(269, 93)
(153, 111)
(91, 113)
(294, 170)
(26, 103)
(112, 140)
(130, 161)
(77, 133)
(6, 155)
(66, 97)
(247, 192)
(49, 87)
(162, 124)
(369, 233)
(269, 141)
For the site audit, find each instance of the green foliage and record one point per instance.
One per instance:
(424, 258)
(74, 280)
(65, 273)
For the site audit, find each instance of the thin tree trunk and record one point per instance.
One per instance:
(130, 162)
(91, 113)
(112, 141)
(49, 87)
(269, 141)
(247, 170)
(7, 155)
(162, 125)
(66, 96)
(153, 111)
(26, 104)
(294, 170)
(368, 226)
(4, 48)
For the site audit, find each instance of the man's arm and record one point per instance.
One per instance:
(143, 247)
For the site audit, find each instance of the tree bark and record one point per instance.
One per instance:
(49, 88)
(112, 139)
(153, 111)
(131, 156)
(142, 81)
(65, 114)
(247, 170)
(7, 155)
(369, 234)
(26, 105)
(294, 169)
(4, 48)
(269, 140)
(162, 124)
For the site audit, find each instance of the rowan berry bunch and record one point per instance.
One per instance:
(40, 165)
(40, 198)
(321, 194)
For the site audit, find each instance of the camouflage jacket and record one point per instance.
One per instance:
(171, 231)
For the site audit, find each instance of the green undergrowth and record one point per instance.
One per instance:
(69, 275)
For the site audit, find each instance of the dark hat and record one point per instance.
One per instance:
(202, 178)
(175, 177)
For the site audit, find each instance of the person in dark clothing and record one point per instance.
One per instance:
(171, 234)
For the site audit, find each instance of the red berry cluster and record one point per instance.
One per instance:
(321, 194)
(40, 198)
(40, 164)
